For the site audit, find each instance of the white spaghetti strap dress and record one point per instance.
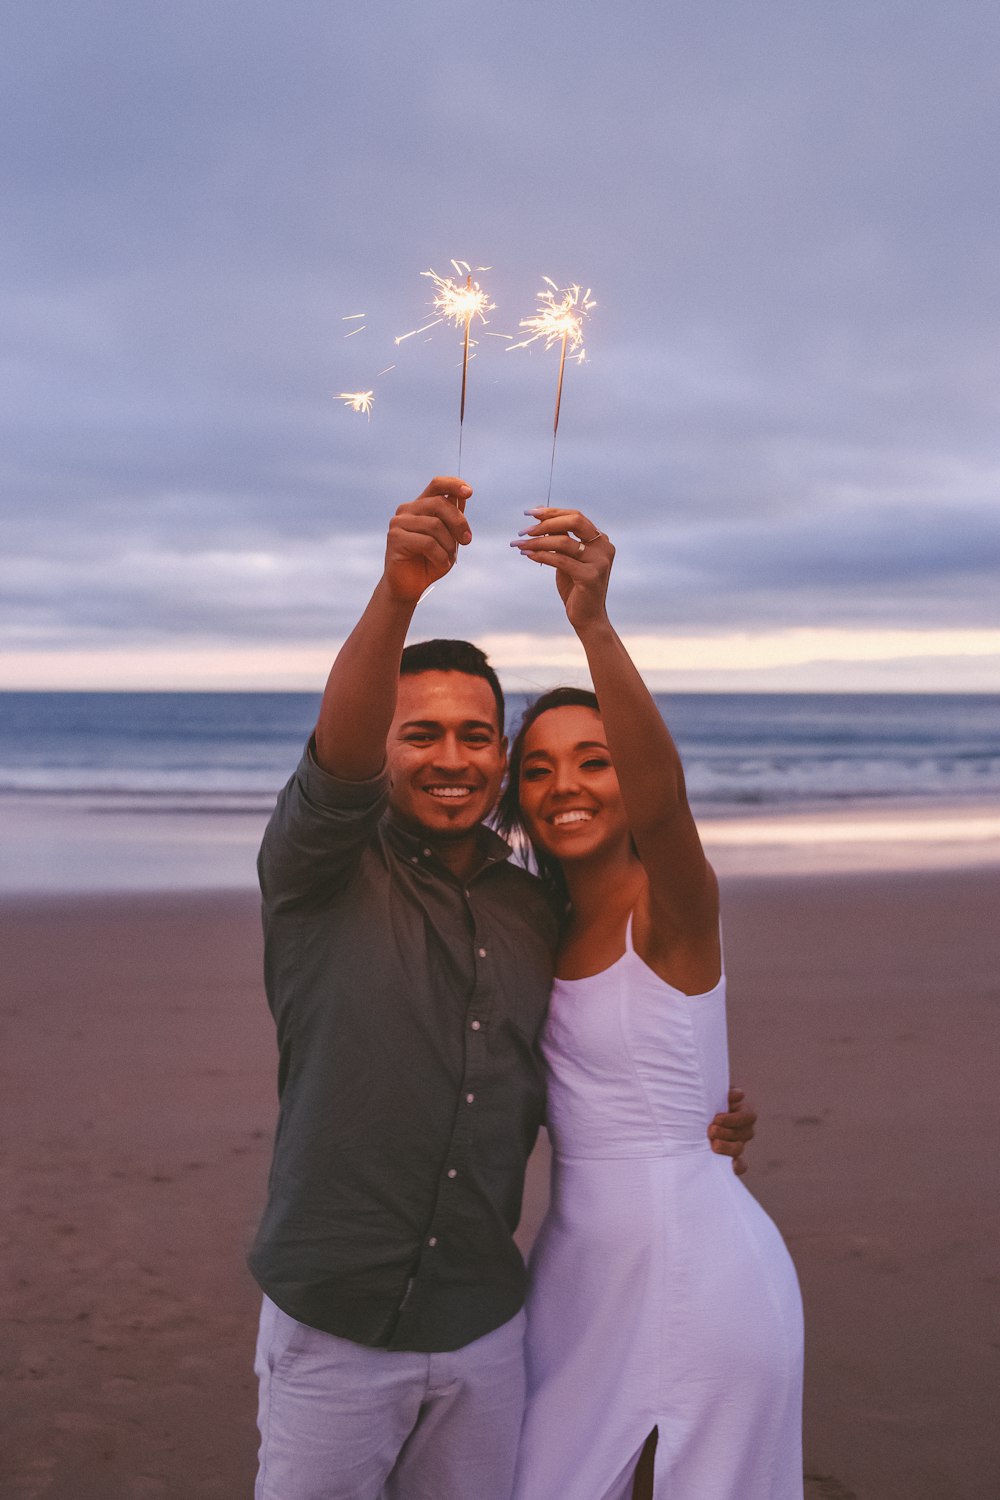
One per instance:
(661, 1293)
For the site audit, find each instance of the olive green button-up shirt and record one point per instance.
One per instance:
(408, 1007)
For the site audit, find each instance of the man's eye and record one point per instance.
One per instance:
(478, 741)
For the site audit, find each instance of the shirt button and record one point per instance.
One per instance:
(452, 1172)
(477, 1025)
(432, 1241)
(427, 854)
(469, 1098)
(414, 860)
(482, 953)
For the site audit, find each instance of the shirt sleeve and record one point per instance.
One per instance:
(317, 833)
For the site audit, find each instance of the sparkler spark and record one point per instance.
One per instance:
(454, 302)
(362, 401)
(458, 304)
(558, 319)
(560, 316)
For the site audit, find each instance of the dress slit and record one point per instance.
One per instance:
(651, 1260)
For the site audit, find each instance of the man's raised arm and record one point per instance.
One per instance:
(360, 696)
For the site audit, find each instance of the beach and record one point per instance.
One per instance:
(138, 1100)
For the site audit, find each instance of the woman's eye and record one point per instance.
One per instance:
(534, 773)
(597, 764)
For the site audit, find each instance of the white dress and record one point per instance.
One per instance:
(661, 1293)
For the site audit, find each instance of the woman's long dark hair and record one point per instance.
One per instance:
(508, 816)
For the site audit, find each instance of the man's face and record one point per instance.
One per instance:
(445, 754)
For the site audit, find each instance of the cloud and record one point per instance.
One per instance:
(788, 415)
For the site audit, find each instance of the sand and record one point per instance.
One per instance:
(138, 1101)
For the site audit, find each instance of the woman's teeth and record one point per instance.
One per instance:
(578, 815)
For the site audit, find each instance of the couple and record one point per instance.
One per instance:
(409, 966)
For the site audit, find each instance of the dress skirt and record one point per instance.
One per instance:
(661, 1296)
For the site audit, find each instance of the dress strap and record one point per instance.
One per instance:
(629, 948)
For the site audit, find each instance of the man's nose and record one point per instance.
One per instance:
(450, 753)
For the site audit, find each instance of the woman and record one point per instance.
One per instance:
(664, 1307)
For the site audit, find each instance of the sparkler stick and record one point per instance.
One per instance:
(559, 318)
(457, 304)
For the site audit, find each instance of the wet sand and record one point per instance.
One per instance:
(137, 1095)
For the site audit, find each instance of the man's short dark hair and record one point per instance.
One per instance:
(452, 656)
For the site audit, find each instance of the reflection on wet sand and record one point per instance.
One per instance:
(834, 839)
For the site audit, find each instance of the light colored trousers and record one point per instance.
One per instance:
(339, 1421)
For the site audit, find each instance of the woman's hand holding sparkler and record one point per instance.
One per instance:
(581, 554)
(424, 538)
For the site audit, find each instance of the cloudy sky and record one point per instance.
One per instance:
(788, 417)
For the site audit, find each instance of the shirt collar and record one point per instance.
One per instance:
(416, 847)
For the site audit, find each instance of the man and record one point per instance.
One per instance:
(408, 966)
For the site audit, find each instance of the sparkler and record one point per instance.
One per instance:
(362, 401)
(457, 304)
(559, 318)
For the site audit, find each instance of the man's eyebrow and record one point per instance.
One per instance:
(436, 724)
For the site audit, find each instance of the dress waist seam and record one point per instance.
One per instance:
(695, 1149)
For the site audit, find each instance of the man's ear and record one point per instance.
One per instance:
(503, 751)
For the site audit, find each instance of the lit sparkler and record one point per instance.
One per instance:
(362, 401)
(457, 304)
(559, 318)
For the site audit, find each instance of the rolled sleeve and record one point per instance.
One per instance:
(317, 832)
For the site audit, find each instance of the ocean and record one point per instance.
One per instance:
(176, 768)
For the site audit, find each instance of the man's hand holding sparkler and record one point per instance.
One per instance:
(360, 697)
(424, 537)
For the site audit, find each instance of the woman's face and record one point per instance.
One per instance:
(569, 794)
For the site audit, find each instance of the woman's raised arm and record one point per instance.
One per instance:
(682, 888)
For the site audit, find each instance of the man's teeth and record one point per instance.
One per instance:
(452, 792)
(578, 815)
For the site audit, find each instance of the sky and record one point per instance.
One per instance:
(787, 420)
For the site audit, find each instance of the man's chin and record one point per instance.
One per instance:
(455, 823)
(444, 822)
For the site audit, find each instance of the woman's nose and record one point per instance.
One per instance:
(565, 779)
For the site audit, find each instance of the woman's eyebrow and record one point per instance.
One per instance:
(581, 745)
